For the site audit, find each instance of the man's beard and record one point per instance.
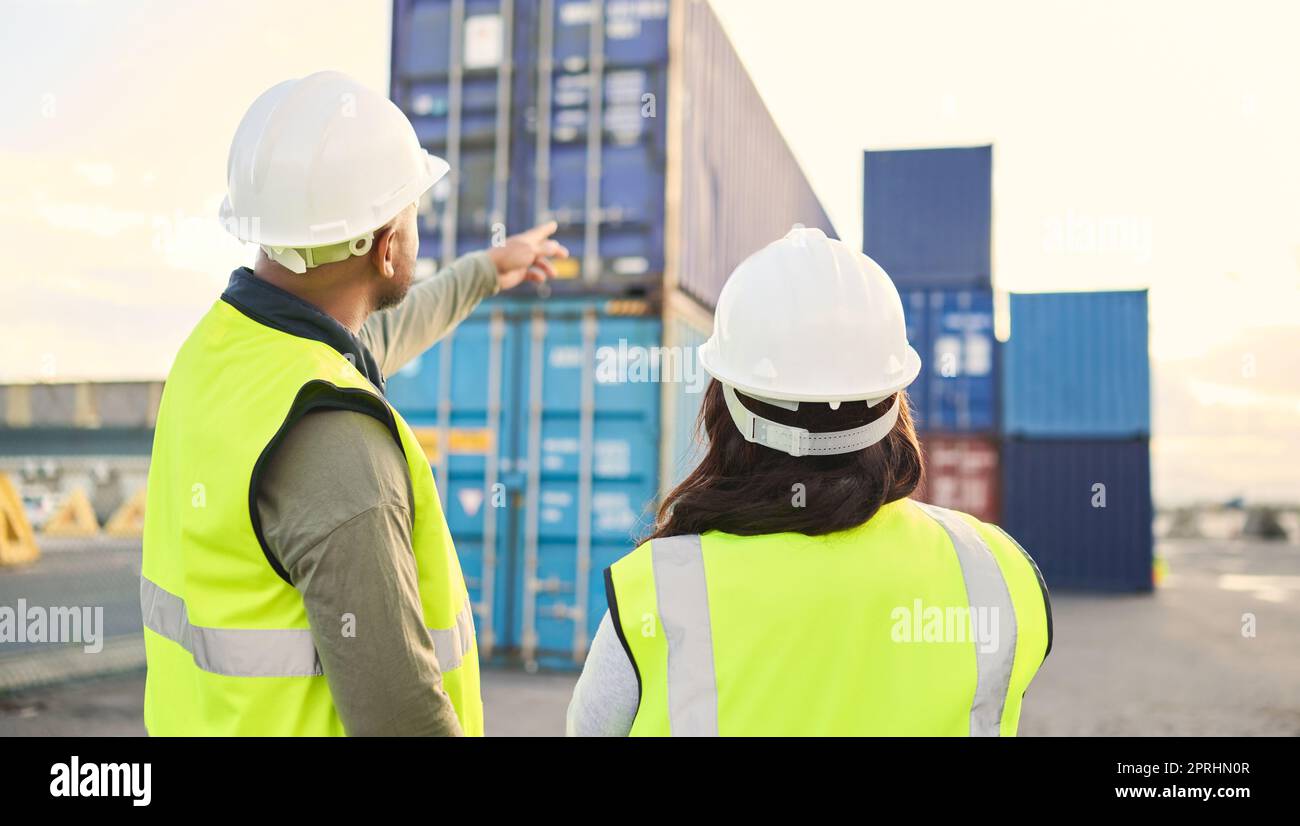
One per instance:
(392, 297)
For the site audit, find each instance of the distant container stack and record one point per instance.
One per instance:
(928, 216)
(1077, 425)
(927, 220)
(1049, 435)
(618, 120)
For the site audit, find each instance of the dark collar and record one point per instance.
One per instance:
(267, 304)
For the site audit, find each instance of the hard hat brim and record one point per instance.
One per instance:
(911, 369)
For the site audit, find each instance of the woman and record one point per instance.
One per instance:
(790, 586)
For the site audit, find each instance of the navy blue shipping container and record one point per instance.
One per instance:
(1077, 364)
(597, 159)
(454, 73)
(928, 215)
(738, 184)
(549, 414)
(569, 110)
(1082, 508)
(952, 330)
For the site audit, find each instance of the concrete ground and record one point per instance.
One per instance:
(1176, 662)
(516, 704)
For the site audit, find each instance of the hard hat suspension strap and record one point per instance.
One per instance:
(301, 259)
(797, 441)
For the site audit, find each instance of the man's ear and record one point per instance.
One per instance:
(381, 252)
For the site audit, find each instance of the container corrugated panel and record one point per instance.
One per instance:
(595, 162)
(686, 327)
(124, 404)
(590, 452)
(962, 362)
(460, 400)
(554, 471)
(952, 330)
(1077, 364)
(962, 473)
(1082, 509)
(927, 215)
(916, 314)
(454, 74)
(741, 186)
(504, 90)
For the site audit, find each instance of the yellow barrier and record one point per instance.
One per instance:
(75, 517)
(129, 519)
(17, 544)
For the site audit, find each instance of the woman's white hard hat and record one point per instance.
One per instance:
(810, 319)
(322, 161)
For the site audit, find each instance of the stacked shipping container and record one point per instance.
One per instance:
(542, 415)
(1071, 421)
(927, 216)
(1077, 467)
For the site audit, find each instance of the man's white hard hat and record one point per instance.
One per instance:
(319, 162)
(810, 319)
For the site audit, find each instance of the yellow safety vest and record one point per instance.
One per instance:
(921, 621)
(227, 640)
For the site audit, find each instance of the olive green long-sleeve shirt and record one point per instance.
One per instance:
(335, 506)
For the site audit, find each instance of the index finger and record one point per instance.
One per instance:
(541, 231)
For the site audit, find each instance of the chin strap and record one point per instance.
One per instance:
(799, 442)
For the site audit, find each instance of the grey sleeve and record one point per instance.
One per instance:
(431, 309)
(335, 511)
(607, 695)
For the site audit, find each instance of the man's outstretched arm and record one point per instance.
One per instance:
(435, 305)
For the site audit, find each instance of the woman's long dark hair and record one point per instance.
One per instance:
(748, 489)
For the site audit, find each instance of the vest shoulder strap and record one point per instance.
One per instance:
(315, 395)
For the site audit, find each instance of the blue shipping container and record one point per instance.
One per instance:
(454, 73)
(952, 330)
(597, 160)
(740, 187)
(1077, 364)
(1082, 509)
(686, 327)
(549, 412)
(927, 215)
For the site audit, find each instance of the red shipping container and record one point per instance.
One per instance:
(961, 472)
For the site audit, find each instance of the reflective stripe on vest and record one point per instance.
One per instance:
(269, 652)
(986, 590)
(683, 602)
(683, 605)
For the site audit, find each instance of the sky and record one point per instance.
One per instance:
(1147, 144)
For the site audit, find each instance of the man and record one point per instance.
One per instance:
(298, 575)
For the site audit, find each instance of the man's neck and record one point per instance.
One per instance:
(345, 304)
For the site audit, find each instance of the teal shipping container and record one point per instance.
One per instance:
(541, 421)
(1077, 365)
